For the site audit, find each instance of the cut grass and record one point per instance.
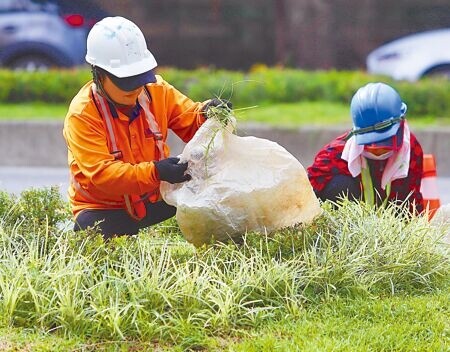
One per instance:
(283, 115)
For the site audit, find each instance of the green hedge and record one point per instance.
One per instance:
(260, 86)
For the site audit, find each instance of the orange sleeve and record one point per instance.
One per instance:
(184, 115)
(87, 142)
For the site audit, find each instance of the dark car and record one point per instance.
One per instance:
(40, 34)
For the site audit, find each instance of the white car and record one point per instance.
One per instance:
(413, 56)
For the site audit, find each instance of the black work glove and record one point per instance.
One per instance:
(218, 103)
(169, 170)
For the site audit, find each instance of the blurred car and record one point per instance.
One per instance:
(40, 34)
(413, 57)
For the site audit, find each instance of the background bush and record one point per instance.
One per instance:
(259, 86)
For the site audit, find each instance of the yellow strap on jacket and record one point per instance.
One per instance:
(368, 189)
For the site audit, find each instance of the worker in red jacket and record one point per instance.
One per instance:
(378, 160)
(116, 129)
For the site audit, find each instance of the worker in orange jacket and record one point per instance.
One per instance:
(116, 130)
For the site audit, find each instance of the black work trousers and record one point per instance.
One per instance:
(340, 186)
(117, 222)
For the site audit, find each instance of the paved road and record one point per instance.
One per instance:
(16, 179)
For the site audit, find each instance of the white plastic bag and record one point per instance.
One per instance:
(238, 184)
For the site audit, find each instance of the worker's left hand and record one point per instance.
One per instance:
(218, 103)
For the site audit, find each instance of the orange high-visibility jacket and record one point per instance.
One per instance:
(103, 178)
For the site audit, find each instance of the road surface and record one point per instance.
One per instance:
(17, 179)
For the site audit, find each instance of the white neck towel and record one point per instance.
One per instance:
(397, 165)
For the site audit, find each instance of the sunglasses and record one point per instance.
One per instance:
(392, 143)
(377, 127)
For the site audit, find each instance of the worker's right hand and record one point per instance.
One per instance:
(217, 103)
(169, 170)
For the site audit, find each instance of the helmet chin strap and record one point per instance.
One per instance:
(96, 75)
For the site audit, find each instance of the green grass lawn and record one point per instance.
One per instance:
(319, 114)
(286, 115)
(32, 111)
(295, 114)
(392, 324)
(356, 279)
(409, 323)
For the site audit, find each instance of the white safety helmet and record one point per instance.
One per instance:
(118, 46)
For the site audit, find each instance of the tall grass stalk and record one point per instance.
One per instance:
(157, 287)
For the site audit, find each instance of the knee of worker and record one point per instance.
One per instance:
(157, 212)
(108, 223)
(341, 186)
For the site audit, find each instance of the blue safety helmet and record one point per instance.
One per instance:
(377, 111)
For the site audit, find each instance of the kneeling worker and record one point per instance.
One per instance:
(116, 129)
(380, 159)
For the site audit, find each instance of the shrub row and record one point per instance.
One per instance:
(261, 85)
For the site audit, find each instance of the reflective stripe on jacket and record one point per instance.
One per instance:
(107, 177)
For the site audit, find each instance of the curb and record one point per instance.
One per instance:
(41, 143)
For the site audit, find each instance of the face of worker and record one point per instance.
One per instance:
(388, 146)
(120, 96)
